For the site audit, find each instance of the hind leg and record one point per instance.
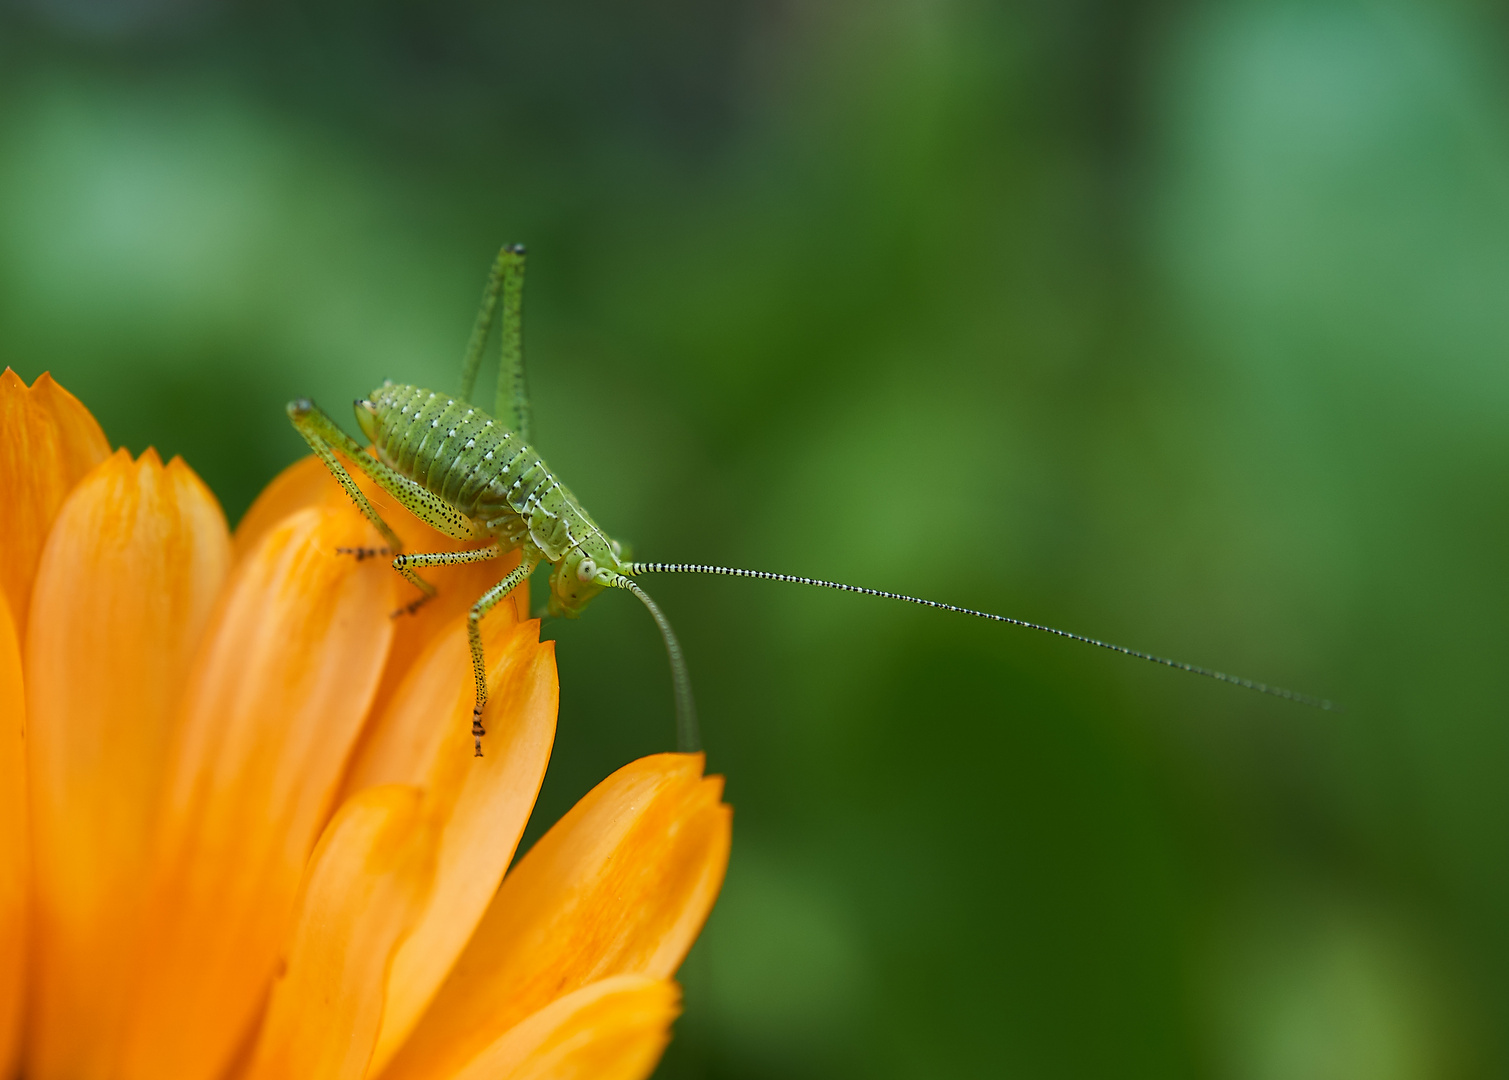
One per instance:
(505, 282)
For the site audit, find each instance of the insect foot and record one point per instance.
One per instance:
(409, 608)
(364, 552)
(477, 729)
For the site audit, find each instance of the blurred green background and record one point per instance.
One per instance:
(1181, 324)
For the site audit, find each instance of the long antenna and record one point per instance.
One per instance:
(1194, 669)
(688, 738)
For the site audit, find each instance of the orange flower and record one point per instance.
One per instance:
(241, 829)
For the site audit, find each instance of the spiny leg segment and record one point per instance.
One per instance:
(505, 281)
(405, 564)
(482, 326)
(316, 428)
(486, 603)
(511, 406)
(324, 437)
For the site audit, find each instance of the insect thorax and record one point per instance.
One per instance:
(487, 472)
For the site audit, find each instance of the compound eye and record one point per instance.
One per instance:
(585, 569)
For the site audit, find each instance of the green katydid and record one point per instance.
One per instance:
(475, 476)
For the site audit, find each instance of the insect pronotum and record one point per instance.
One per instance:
(475, 476)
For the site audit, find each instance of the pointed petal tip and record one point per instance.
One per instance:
(276, 699)
(48, 442)
(712, 790)
(124, 587)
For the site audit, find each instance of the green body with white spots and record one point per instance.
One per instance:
(496, 480)
(475, 476)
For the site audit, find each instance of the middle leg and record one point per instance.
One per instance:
(486, 603)
(405, 564)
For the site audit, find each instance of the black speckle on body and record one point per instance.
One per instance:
(484, 471)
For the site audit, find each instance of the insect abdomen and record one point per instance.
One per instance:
(488, 473)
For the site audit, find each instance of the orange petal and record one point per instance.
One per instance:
(303, 484)
(15, 860)
(363, 889)
(620, 885)
(271, 711)
(123, 592)
(615, 1029)
(48, 441)
(308, 483)
(480, 804)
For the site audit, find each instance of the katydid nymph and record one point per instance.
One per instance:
(475, 476)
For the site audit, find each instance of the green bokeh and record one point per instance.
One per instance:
(1183, 325)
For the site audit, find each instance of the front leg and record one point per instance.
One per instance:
(325, 437)
(314, 425)
(319, 430)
